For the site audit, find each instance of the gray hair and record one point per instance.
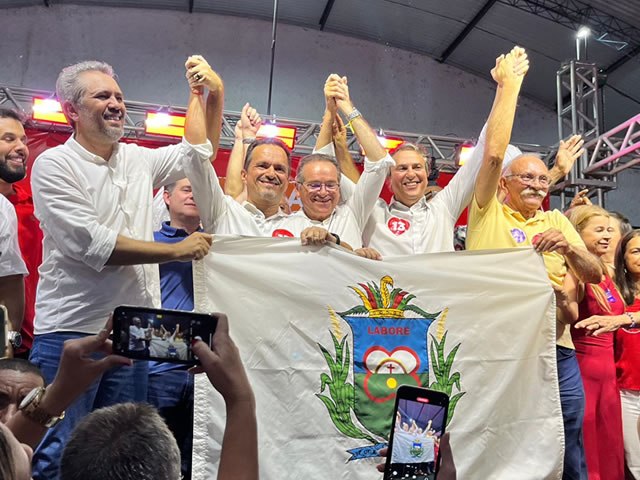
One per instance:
(507, 169)
(413, 147)
(128, 441)
(69, 89)
(266, 141)
(316, 157)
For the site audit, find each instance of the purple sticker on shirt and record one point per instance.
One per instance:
(518, 235)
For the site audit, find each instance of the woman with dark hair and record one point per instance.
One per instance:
(627, 344)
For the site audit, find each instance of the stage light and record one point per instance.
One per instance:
(464, 152)
(48, 110)
(583, 32)
(390, 143)
(166, 124)
(271, 130)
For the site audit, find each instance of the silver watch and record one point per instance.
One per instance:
(15, 339)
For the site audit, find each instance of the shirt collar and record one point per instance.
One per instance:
(255, 211)
(518, 216)
(419, 205)
(85, 154)
(170, 231)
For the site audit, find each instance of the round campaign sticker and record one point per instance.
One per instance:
(518, 235)
(398, 225)
(281, 232)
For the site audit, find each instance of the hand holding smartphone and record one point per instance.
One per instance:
(419, 421)
(162, 335)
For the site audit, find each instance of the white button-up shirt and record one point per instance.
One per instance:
(83, 203)
(11, 262)
(349, 218)
(221, 214)
(425, 227)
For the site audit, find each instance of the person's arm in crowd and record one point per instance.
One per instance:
(363, 132)
(12, 297)
(207, 192)
(567, 299)
(345, 160)
(599, 324)
(223, 366)
(245, 131)
(580, 261)
(200, 76)
(320, 236)
(508, 73)
(128, 251)
(580, 198)
(568, 153)
(332, 91)
(77, 371)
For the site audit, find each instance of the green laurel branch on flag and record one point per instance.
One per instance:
(341, 399)
(441, 367)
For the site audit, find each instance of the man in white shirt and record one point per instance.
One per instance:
(92, 196)
(318, 176)
(12, 270)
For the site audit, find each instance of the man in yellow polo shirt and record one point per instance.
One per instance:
(520, 222)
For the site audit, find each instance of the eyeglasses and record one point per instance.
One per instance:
(529, 179)
(317, 186)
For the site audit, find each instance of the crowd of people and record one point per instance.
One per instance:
(85, 411)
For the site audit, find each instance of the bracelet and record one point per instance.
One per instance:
(248, 141)
(337, 238)
(633, 320)
(353, 115)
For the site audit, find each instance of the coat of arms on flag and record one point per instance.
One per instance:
(390, 348)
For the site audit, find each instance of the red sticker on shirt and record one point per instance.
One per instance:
(281, 232)
(398, 225)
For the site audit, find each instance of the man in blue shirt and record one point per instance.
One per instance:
(170, 387)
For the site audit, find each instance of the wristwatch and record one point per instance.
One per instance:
(353, 115)
(30, 407)
(15, 339)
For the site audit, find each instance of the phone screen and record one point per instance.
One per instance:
(163, 335)
(419, 423)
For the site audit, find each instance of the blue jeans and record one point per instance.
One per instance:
(171, 392)
(572, 401)
(123, 384)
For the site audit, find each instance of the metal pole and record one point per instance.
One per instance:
(273, 53)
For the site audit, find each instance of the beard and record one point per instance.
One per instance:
(112, 133)
(11, 175)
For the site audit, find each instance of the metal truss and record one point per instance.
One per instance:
(442, 147)
(575, 13)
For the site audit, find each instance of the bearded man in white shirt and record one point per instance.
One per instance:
(92, 196)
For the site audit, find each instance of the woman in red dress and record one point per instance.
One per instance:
(602, 425)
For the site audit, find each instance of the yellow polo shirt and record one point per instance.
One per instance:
(498, 226)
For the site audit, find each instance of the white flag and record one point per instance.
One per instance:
(327, 337)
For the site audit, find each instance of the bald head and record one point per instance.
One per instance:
(523, 163)
(526, 182)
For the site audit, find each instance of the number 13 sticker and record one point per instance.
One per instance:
(398, 226)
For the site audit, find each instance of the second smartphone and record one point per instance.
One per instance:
(161, 335)
(419, 420)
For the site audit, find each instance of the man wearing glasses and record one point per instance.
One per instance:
(519, 222)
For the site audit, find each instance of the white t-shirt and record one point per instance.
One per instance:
(11, 262)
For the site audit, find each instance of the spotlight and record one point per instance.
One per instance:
(166, 124)
(271, 130)
(583, 32)
(48, 110)
(463, 153)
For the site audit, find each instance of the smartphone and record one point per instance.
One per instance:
(419, 420)
(163, 335)
(4, 331)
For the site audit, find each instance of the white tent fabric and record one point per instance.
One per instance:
(327, 336)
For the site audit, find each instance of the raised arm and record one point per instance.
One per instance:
(223, 366)
(347, 165)
(508, 74)
(245, 132)
(332, 91)
(568, 153)
(201, 74)
(363, 132)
